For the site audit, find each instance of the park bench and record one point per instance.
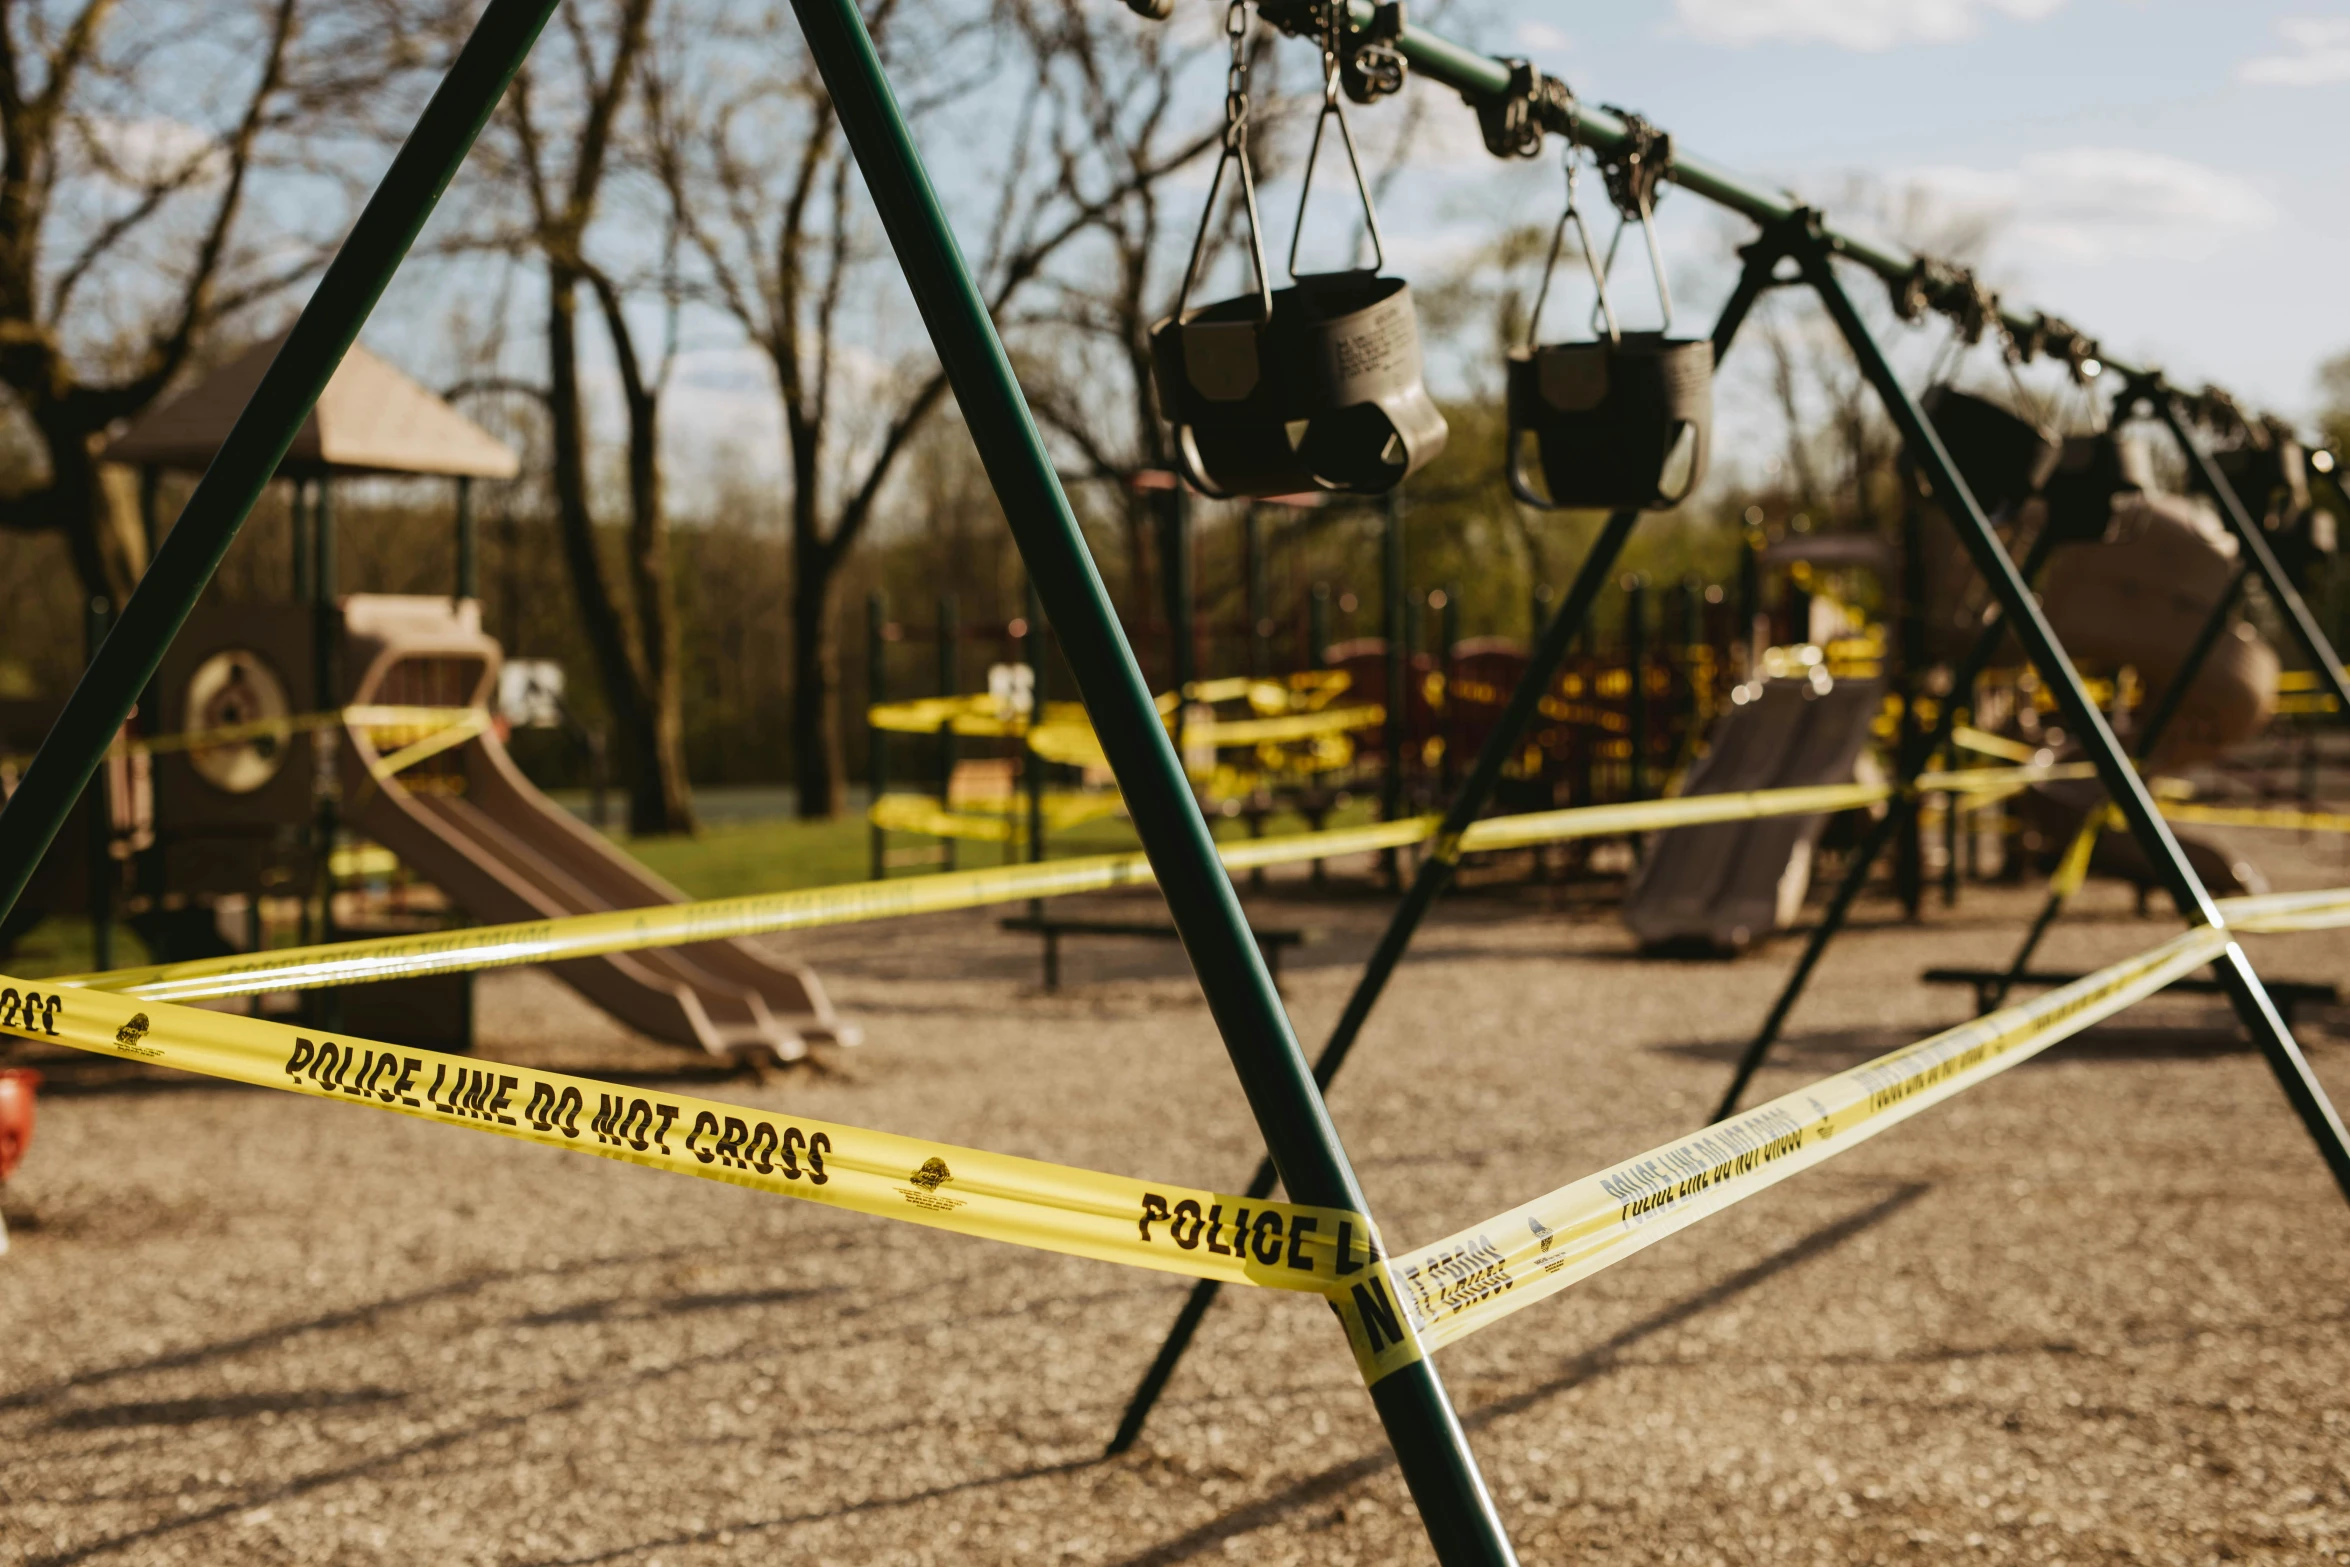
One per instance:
(2288, 994)
(1270, 941)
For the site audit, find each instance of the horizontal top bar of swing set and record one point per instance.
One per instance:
(1476, 75)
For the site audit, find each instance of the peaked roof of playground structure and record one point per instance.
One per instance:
(372, 419)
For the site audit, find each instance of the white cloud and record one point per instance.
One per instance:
(2089, 204)
(1542, 38)
(2318, 52)
(1866, 25)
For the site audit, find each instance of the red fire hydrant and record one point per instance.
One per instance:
(16, 1125)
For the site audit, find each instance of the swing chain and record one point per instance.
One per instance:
(1235, 151)
(1332, 19)
(1236, 79)
(1634, 173)
(1603, 311)
(1514, 122)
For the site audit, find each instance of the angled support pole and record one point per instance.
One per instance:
(1430, 1447)
(2174, 696)
(329, 323)
(1436, 870)
(2249, 536)
(1899, 814)
(2122, 783)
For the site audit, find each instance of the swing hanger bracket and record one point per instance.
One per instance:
(1636, 169)
(1514, 122)
(1953, 291)
(1370, 65)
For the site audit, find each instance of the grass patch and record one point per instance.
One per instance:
(783, 854)
(62, 944)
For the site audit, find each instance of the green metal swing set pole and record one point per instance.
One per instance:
(1483, 79)
(2257, 557)
(2250, 536)
(1898, 815)
(2174, 696)
(329, 323)
(1436, 869)
(2122, 783)
(1429, 1445)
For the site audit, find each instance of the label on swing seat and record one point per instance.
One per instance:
(1572, 376)
(1220, 359)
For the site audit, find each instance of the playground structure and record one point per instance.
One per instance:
(302, 768)
(1388, 1330)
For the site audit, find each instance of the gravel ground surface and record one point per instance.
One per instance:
(2093, 1311)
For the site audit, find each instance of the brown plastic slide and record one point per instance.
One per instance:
(470, 823)
(1727, 885)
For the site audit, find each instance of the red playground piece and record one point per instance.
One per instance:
(16, 1116)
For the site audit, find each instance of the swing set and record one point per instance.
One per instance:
(1316, 385)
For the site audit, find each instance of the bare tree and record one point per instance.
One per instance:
(755, 167)
(128, 162)
(565, 119)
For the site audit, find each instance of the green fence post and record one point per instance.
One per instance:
(1393, 615)
(1636, 695)
(1429, 1445)
(876, 741)
(950, 683)
(192, 551)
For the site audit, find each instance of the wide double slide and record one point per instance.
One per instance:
(1727, 885)
(468, 821)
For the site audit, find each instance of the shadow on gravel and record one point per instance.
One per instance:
(363, 1314)
(1833, 1050)
(622, 1308)
(232, 1406)
(1589, 1366)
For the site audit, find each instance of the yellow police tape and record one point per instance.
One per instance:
(757, 914)
(423, 720)
(1968, 738)
(1065, 734)
(988, 821)
(668, 925)
(2276, 913)
(1475, 1278)
(1083, 1213)
(1395, 1309)
(2258, 816)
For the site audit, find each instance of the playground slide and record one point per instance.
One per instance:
(469, 822)
(1729, 884)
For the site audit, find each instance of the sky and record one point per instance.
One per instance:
(2169, 176)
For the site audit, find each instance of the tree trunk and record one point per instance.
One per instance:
(818, 768)
(109, 549)
(638, 729)
(664, 801)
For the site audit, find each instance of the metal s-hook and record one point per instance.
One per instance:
(1235, 150)
(1334, 106)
